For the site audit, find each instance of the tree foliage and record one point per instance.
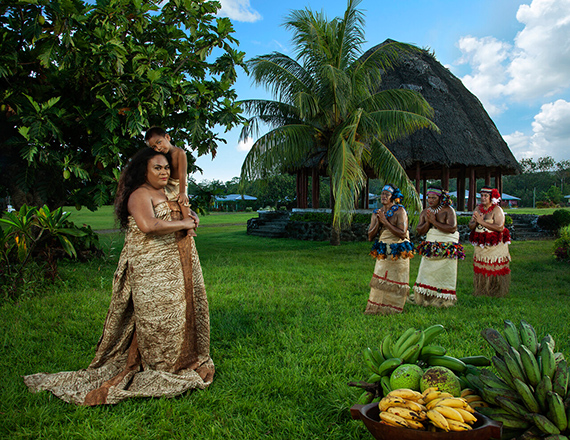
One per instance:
(80, 82)
(327, 108)
(542, 180)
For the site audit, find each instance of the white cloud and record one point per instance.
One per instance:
(535, 66)
(239, 10)
(551, 128)
(245, 145)
(486, 57)
(519, 144)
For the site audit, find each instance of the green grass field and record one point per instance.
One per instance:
(287, 328)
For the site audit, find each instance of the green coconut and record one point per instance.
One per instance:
(406, 376)
(442, 378)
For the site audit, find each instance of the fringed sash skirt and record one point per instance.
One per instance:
(491, 259)
(389, 287)
(437, 276)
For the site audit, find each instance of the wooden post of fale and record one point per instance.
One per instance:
(472, 189)
(445, 178)
(461, 189)
(487, 177)
(315, 187)
(499, 181)
(418, 177)
(424, 192)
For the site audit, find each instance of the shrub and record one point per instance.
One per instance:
(546, 222)
(562, 244)
(561, 217)
(464, 220)
(32, 240)
(249, 209)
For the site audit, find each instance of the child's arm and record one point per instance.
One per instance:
(180, 172)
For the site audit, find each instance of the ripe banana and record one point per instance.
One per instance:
(512, 334)
(414, 406)
(406, 413)
(560, 379)
(527, 396)
(467, 392)
(387, 402)
(468, 417)
(557, 411)
(495, 340)
(547, 361)
(432, 332)
(414, 424)
(437, 419)
(454, 425)
(449, 413)
(450, 362)
(405, 393)
(436, 395)
(453, 402)
(528, 336)
(478, 361)
(428, 391)
(389, 365)
(530, 365)
(393, 419)
(472, 398)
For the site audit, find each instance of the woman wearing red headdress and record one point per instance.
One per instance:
(491, 258)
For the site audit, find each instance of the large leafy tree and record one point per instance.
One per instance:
(327, 104)
(80, 82)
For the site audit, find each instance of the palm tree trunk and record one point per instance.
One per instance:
(335, 232)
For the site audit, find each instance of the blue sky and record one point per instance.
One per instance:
(513, 55)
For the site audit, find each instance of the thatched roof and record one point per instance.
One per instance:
(468, 135)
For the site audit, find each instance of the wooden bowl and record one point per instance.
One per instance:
(483, 429)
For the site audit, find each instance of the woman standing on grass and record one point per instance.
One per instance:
(491, 258)
(156, 338)
(389, 287)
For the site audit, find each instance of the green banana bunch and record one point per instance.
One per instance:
(454, 364)
(531, 387)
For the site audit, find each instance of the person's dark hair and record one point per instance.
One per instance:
(132, 177)
(154, 131)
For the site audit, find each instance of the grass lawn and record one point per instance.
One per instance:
(287, 333)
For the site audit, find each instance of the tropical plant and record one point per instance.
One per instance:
(328, 107)
(80, 81)
(33, 235)
(562, 244)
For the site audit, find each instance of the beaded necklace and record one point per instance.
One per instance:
(436, 210)
(484, 210)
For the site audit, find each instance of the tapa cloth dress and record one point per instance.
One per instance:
(491, 262)
(437, 275)
(389, 286)
(156, 337)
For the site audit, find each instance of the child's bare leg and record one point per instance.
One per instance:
(185, 210)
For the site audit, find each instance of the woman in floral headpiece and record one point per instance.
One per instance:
(491, 258)
(389, 286)
(437, 276)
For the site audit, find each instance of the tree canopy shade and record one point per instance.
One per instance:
(327, 106)
(80, 82)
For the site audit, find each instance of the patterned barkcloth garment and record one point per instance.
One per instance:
(491, 259)
(437, 275)
(156, 338)
(389, 287)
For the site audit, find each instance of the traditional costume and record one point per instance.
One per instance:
(389, 287)
(437, 275)
(156, 338)
(491, 258)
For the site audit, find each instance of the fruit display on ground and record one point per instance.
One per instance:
(413, 360)
(433, 410)
(529, 391)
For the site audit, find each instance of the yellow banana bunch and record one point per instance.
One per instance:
(473, 398)
(450, 413)
(404, 408)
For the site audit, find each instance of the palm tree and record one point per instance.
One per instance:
(327, 102)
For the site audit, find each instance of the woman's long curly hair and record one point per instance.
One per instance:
(132, 177)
